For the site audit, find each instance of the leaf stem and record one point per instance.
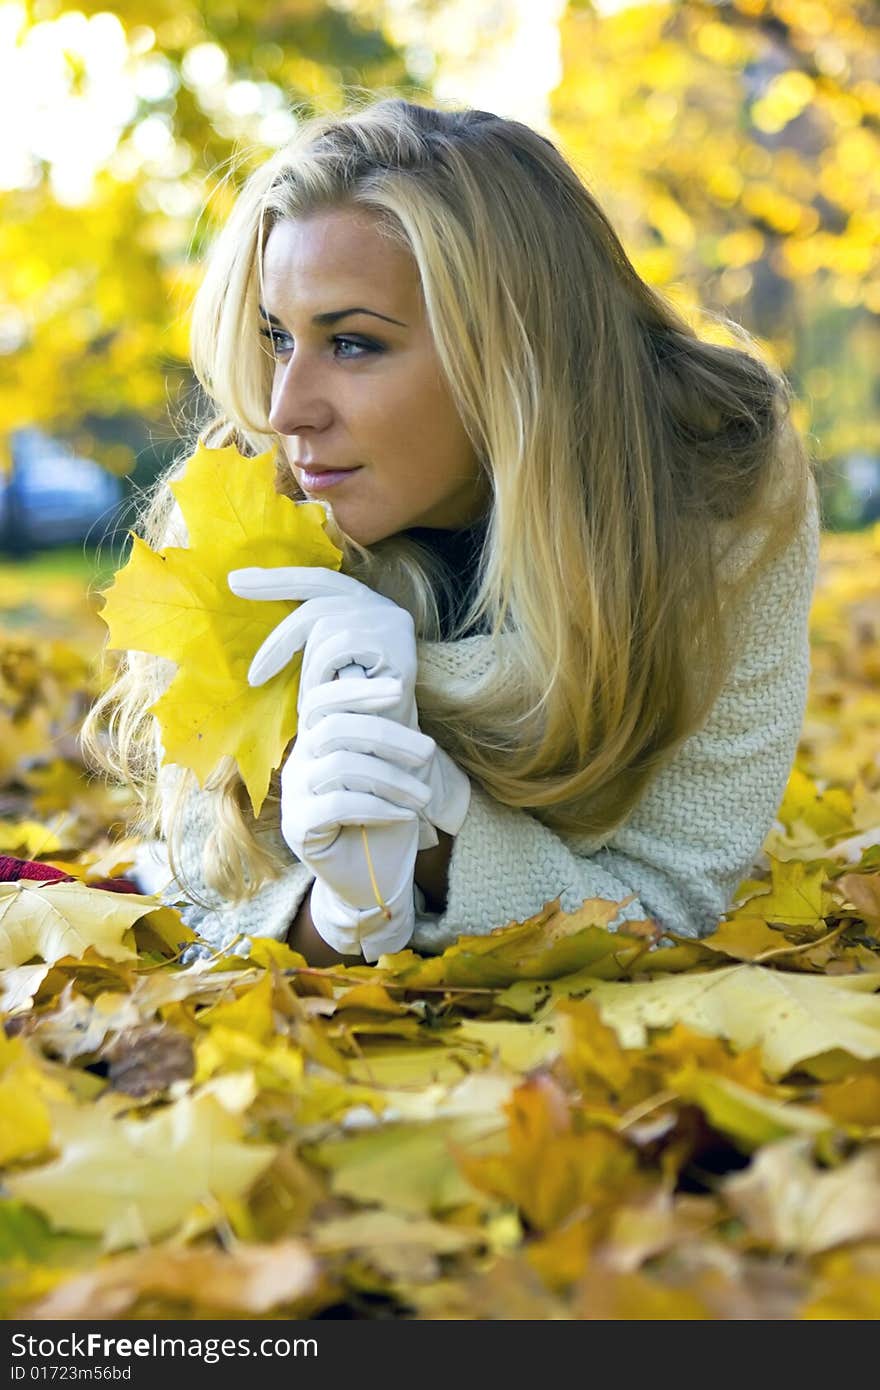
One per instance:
(386, 910)
(804, 945)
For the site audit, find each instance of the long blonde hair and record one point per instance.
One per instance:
(621, 450)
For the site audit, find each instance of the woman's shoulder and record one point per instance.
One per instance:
(736, 551)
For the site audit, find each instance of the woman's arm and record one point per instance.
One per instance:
(697, 830)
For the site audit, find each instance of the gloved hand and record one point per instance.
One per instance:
(342, 621)
(350, 768)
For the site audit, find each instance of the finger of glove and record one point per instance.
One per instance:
(360, 772)
(354, 695)
(292, 634)
(302, 839)
(450, 789)
(370, 733)
(334, 642)
(319, 814)
(307, 776)
(296, 582)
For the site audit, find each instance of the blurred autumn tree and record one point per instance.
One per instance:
(736, 147)
(93, 308)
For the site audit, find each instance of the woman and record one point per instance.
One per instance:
(584, 542)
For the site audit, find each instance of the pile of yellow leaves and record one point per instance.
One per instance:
(555, 1121)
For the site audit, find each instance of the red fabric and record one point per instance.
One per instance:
(12, 869)
(117, 885)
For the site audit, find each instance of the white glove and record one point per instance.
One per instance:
(342, 621)
(349, 769)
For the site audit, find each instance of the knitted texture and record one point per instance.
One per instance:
(689, 842)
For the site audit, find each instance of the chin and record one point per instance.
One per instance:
(362, 531)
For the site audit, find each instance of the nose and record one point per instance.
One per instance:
(296, 403)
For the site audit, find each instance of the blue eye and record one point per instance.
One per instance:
(273, 334)
(352, 342)
(363, 347)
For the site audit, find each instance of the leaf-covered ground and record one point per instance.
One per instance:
(552, 1122)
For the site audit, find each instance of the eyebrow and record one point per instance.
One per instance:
(334, 315)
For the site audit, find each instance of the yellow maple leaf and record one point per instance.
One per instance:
(521, 1046)
(51, 920)
(177, 604)
(550, 1170)
(111, 1176)
(792, 1017)
(797, 898)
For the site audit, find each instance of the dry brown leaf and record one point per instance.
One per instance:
(251, 1279)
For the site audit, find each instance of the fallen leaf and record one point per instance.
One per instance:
(79, 1026)
(520, 1046)
(19, 984)
(250, 1012)
(548, 1169)
(847, 1284)
(25, 1093)
(129, 1180)
(797, 897)
(552, 943)
(744, 938)
(277, 1063)
(52, 920)
(33, 1257)
(148, 1059)
(789, 1204)
(639, 1230)
(27, 839)
(507, 1289)
(407, 1167)
(749, 1118)
(791, 1017)
(855, 1100)
(402, 1248)
(247, 1279)
(863, 891)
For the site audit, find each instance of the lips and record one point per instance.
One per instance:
(325, 468)
(321, 478)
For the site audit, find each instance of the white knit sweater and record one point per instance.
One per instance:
(684, 849)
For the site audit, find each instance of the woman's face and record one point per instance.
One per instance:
(365, 391)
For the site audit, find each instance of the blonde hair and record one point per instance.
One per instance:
(620, 448)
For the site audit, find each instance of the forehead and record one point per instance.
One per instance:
(338, 252)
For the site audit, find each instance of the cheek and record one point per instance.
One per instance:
(424, 420)
(394, 431)
(409, 416)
